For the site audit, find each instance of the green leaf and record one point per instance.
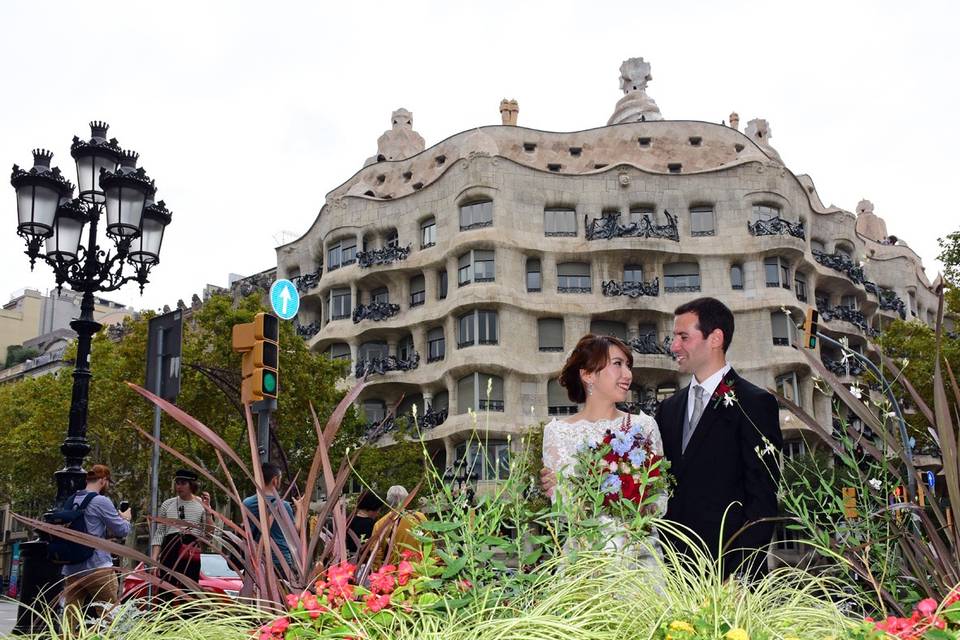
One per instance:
(440, 527)
(532, 557)
(454, 568)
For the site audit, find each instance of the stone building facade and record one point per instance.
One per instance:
(459, 277)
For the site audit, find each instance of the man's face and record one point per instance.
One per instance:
(692, 349)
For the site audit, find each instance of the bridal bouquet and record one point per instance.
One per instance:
(623, 471)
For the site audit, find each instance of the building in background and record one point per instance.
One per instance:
(458, 277)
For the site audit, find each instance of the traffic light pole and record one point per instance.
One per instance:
(264, 410)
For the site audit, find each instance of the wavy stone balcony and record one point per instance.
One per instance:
(777, 227)
(386, 255)
(386, 364)
(376, 311)
(631, 289)
(609, 227)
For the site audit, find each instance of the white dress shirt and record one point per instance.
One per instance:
(709, 386)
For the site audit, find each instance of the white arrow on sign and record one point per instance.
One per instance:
(285, 299)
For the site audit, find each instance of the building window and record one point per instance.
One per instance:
(442, 284)
(393, 239)
(340, 306)
(405, 349)
(637, 214)
(912, 296)
(736, 277)
(476, 215)
(782, 328)
(477, 327)
(800, 283)
(342, 253)
(850, 302)
(843, 250)
(701, 221)
(560, 222)
(373, 349)
(428, 233)
(765, 212)
(550, 334)
(436, 345)
(534, 280)
(608, 328)
(380, 295)
(573, 277)
(440, 401)
(487, 460)
(664, 391)
(558, 402)
(793, 449)
(633, 273)
(777, 271)
(476, 266)
(681, 276)
(472, 393)
(787, 387)
(816, 246)
(374, 411)
(418, 290)
(339, 351)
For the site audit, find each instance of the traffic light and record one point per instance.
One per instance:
(258, 341)
(849, 503)
(811, 325)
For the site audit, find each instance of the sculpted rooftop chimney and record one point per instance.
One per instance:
(509, 110)
(635, 105)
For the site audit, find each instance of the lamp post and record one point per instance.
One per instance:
(51, 222)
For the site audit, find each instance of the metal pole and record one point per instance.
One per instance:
(264, 409)
(155, 460)
(901, 423)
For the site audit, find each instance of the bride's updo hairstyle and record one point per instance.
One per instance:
(592, 353)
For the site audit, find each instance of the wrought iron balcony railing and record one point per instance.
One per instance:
(631, 288)
(648, 406)
(776, 227)
(375, 311)
(890, 301)
(609, 227)
(306, 331)
(647, 344)
(851, 367)
(841, 263)
(386, 255)
(429, 420)
(385, 364)
(847, 314)
(307, 281)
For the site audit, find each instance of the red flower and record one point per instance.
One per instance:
(382, 581)
(404, 572)
(376, 603)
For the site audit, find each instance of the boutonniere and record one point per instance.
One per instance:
(724, 393)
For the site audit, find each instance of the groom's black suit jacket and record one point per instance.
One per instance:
(722, 466)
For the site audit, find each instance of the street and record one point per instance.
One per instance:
(8, 616)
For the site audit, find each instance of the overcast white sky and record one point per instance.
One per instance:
(247, 113)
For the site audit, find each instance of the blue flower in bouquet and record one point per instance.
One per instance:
(611, 484)
(637, 457)
(622, 443)
(635, 430)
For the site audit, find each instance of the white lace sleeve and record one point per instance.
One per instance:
(653, 431)
(551, 446)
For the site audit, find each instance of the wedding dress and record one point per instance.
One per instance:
(561, 443)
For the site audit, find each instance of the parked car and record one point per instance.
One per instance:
(216, 577)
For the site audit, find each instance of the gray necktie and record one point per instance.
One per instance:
(695, 418)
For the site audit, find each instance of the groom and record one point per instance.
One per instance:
(721, 435)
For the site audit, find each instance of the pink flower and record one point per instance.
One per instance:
(465, 585)
(412, 556)
(376, 603)
(310, 602)
(279, 625)
(404, 572)
(381, 581)
(927, 607)
(292, 600)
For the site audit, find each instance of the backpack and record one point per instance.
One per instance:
(61, 550)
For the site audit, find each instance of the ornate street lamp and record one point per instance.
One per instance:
(49, 217)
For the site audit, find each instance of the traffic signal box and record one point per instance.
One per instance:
(811, 325)
(259, 342)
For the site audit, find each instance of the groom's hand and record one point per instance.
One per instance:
(548, 480)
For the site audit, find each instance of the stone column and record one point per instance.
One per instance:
(431, 283)
(419, 333)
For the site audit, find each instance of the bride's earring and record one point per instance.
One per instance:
(589, 388)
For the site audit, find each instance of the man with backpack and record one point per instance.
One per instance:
(89, 574)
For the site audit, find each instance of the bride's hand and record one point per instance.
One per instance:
(548, 480)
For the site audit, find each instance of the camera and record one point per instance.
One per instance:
(124, 505)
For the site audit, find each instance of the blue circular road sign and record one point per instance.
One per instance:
(284, 299)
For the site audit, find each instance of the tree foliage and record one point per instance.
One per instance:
(34, 411)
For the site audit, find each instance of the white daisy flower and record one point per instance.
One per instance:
(876, 484)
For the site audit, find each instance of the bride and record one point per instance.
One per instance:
(598, 375)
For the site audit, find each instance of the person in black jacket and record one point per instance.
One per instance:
(721, 435)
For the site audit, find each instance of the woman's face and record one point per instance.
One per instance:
(612, 382)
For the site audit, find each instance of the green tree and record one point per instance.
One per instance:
(35, 411)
